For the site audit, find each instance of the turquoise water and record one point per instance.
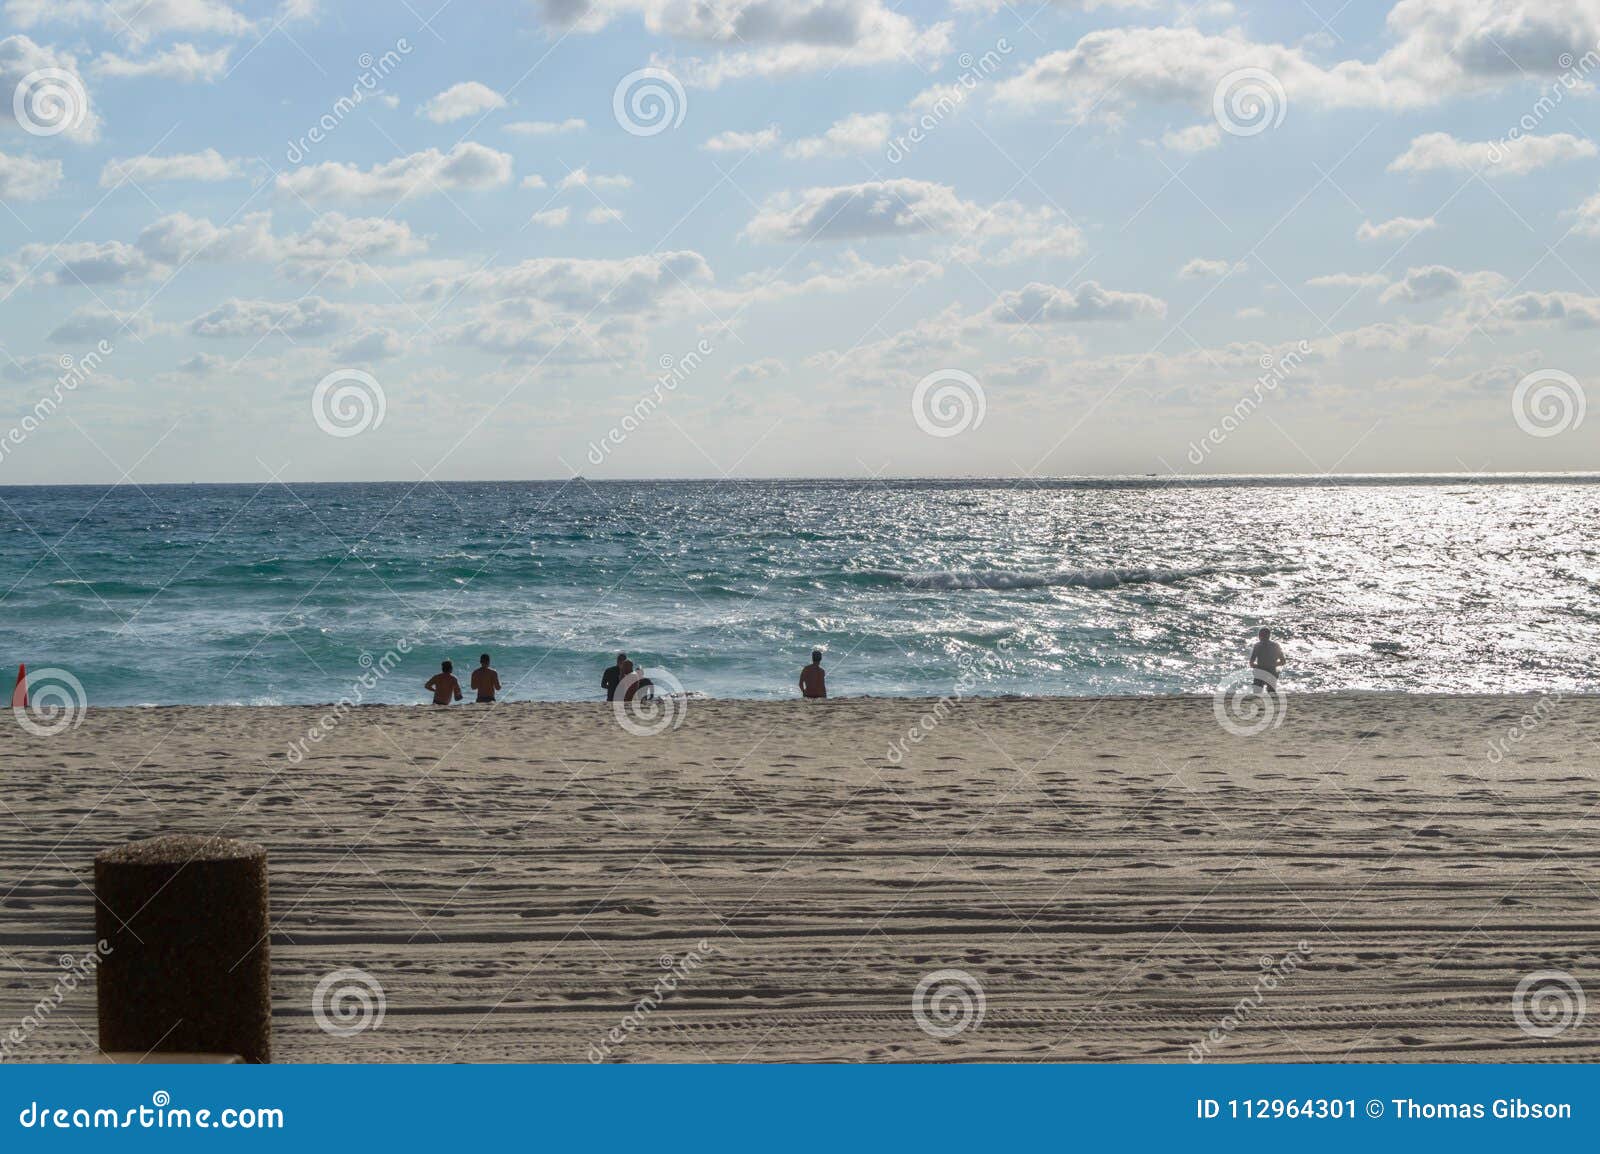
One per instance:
(284, 594)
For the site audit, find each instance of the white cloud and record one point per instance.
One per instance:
(1440, 150)
(546, 127)
(856, 133)
(138, 20)
(209, 165)
(180, 62)
(1201, 269)
(633, 285)
(83, 262)
(333, 249)
(460, 101)
(890, 208)
(583, 178)
(551, 217)
(93, 323)
(1431, 282)
(766, 37)
(758, 141)
(25, 178)
(602, 215)
(372, 345)
(757, 371)
(49, 103)
(1048, 304)
(1350, 280)
(1589, 217)
(1439, 48)
(466, 166)
(1570, 309)
(1400, 228)
(236, 318)
(874, 208)
(180, 238)
(1195, 138)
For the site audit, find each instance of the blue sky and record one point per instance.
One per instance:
(829, 237)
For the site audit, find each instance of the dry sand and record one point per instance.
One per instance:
(1112, 874)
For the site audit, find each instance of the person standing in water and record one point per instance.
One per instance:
(443, 685)
(1266, 658)
(813, 681)
(485, 680)
(612, 677)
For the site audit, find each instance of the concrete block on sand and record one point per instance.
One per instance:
(187, 971)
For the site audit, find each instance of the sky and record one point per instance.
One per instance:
(506, 239)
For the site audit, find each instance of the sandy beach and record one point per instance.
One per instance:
(1115, 879)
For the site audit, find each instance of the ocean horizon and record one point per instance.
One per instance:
(294, 593)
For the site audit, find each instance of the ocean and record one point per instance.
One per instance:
(304, 593)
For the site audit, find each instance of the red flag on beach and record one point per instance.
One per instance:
(19, 695)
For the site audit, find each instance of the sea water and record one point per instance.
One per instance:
(286, 593)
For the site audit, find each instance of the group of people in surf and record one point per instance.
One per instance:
(624, 681)
(627, 681)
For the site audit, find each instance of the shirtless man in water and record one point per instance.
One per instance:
(485, 680)
(443, 685)
(1266, 658)
(813, 681)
